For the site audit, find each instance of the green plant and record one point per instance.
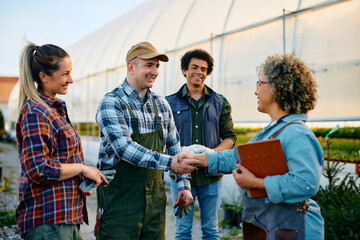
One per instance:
(246, 130)
(340, 208)
(342, 149)
(339, 203)
(234, 208)
(7, 218)
(343, 132)
(327, 138)
(331, 170)
(242, 138)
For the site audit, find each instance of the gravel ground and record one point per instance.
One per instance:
(8, 199)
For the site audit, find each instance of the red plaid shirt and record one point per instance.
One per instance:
(45, 140)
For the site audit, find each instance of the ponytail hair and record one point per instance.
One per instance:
(33, 60)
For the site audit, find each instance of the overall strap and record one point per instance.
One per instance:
(155, 107)
(157, 118)
(134, 120)
(127, 106)
(275, 134)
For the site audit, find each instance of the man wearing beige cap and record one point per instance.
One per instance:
(136, 129)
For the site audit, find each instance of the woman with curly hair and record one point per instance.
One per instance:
(286, 91)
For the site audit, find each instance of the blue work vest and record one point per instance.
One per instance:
(211, 119)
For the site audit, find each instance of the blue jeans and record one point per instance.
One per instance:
(209, 202)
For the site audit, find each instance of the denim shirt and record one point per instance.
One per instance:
(304, 157)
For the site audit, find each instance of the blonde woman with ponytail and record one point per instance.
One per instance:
(51, 158)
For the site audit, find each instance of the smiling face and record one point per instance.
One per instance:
(143, 73)
(265, 98)
(196, 72)
(58, 82)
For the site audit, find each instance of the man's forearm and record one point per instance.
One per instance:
(225, 144)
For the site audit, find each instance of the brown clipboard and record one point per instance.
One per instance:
(262, 158)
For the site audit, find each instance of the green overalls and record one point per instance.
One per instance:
(133, 204)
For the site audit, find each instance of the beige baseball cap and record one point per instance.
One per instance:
(145, 50)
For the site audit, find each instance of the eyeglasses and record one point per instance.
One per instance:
(259, 82)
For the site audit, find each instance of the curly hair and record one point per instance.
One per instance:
(291, 83)
(199, 54)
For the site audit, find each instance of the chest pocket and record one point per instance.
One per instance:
(213, 112)
(181, 114)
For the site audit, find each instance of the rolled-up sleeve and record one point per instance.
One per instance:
(37, 141)
(221, 162)
(226, 125)
(114, 128)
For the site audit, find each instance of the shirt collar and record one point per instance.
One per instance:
(185, 92)
(53, 102)
(295, 117)
(132, 93)
(288, 119)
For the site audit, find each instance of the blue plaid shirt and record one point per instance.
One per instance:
(116, 144)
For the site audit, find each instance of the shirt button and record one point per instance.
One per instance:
(196, 126)
(197, 112)
(196, 140)
(307, 188)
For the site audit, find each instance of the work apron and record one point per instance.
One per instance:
(269, 221)
(133, 205)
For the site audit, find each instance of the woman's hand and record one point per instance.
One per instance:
(246, 179)
(74, 169)
(95, 175)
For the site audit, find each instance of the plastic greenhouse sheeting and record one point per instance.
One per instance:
(239, 35)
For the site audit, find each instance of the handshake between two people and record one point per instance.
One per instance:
(185, 162)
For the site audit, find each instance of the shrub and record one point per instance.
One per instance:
(246, 130)
(7, 218)
(340, 205)
(344, 132)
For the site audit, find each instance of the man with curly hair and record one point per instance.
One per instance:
(202, 117)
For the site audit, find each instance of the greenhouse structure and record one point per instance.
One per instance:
(240, 35)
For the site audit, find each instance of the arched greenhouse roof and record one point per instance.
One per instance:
(172, 25)
(240, 35)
